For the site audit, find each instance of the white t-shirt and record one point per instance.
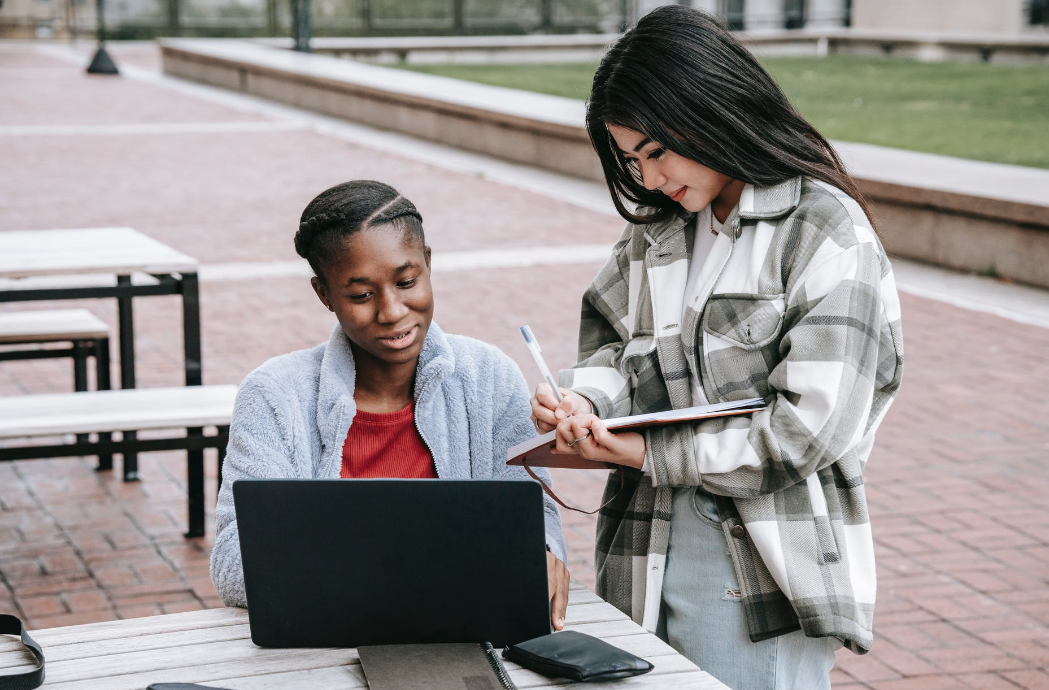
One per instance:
(703, 240)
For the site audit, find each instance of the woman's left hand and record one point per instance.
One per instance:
(586, 436)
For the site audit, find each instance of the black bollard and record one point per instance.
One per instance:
(102, 63)
(301, 25)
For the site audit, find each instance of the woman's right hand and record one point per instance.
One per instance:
(547, 412)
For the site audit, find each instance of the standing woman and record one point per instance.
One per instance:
(750, 268)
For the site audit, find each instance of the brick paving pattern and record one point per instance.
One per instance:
(957, 487)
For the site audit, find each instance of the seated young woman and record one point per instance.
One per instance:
(389, 394)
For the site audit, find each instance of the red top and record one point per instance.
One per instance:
(386, 445)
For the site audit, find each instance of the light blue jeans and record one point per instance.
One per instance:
(702, 616)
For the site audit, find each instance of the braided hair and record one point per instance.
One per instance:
(342, 210)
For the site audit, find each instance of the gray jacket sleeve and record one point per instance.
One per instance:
(260, 447)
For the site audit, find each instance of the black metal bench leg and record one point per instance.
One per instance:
(195, 487)
(127, 367)
(194, 377)
(80, 352)
(191, 329)
(103, 383)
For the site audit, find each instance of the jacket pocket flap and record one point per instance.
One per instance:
(746, 321)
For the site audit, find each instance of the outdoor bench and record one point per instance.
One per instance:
(33, 422)
(26, 334)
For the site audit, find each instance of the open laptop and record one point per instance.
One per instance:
(351, 562)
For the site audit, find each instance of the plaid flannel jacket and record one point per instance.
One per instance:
(796, 304)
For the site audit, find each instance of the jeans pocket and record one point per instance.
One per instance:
(706, 508)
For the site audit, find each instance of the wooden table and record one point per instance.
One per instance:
(30, 260)
(213, 647)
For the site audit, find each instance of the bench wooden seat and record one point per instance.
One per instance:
(27, 417)
(55, 325)
(135, 409)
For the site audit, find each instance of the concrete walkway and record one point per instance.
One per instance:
(957, 483)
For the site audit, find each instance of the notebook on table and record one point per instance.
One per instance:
(462, 666)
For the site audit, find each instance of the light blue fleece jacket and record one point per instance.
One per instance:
(292, 415)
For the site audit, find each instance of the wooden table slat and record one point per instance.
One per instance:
(134, 627)
(192, 665)
(597, 612)
(606, 630)
(213, 647)
(125, 645)
(578, 597)
(334, 678)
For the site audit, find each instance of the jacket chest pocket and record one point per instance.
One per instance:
(740, 343)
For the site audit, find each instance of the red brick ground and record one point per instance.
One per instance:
(957, 487)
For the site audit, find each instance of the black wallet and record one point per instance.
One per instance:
(577, 656)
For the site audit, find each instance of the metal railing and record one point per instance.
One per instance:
(128, 19)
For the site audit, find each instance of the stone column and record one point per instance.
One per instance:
(824, 13)
(762, 14)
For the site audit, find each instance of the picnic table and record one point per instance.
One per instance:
(93, 263)
(213, 647)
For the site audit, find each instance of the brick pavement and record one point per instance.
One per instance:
(957, 490)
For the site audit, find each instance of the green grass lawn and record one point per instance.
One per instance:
(996, 113)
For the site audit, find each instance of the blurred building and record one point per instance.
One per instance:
(1007, 17)
(969, 16)
(145, 18)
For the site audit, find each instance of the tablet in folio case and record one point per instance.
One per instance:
(456, 666)
(537, 451)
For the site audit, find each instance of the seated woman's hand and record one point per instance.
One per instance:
(547, 412)
(585, 435)
(557, 580)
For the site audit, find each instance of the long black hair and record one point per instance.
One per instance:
(346, 208)
(681, 79)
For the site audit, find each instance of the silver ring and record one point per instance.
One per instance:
(537, 429)
(572, 443)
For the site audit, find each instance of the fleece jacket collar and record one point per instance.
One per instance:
(335, 405)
